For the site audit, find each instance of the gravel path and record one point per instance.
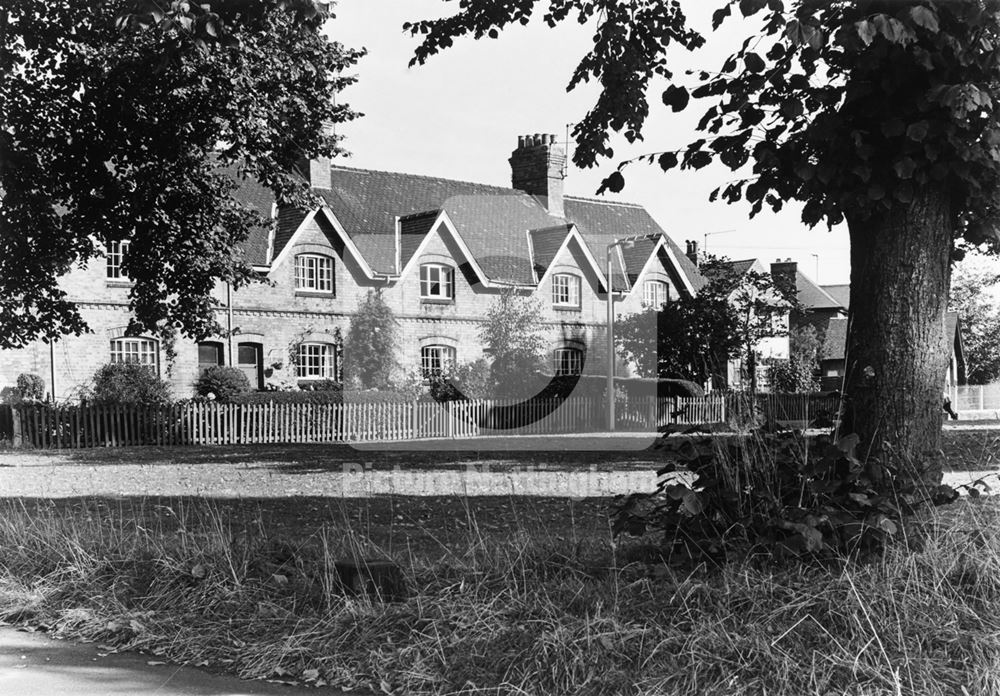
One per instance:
(338, 472)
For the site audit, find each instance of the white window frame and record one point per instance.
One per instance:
(655, 293)
(133, 349)
(567, 355)
(316, 361)
(115, 254)
(314, 273)
(435, 358)
(566, 290)
(437, 281)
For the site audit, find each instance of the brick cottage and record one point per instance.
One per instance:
(440, 251)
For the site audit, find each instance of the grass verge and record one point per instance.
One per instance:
(505, 611)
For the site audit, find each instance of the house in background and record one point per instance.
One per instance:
(440, 251)
(833, 360)
(825, 308)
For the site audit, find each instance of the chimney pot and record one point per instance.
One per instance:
(537, 169)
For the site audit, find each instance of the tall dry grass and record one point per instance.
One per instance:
(511, 615)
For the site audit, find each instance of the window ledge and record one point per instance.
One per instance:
(119, 283)
(436, 301)
(314, 293)
(567, 308)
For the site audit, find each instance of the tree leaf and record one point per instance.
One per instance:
(720, 14)
(754, 63)
(676, 97)
(667, 160)
(925, 17)
(614, 183)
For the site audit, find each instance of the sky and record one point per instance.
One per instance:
(459, 116)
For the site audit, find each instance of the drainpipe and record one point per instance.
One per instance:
(52, 367)
(229, 324)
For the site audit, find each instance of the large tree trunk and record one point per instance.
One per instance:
(897, 353)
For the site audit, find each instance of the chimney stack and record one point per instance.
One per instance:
(785, 275)
(537, 169)
(692, 251)
(317, 171)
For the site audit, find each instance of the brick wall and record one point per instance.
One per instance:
(277, 317)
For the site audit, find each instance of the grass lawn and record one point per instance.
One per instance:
(507, 595)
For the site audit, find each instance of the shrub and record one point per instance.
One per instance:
(469, 381)
(321, 385)
(128, 383)
(224, 382)
(774, 494)
(31, 387)
(290, 397)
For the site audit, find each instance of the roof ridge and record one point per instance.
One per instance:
(624, 204)
(425, 176)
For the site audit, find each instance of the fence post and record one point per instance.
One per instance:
(16, 429)
(450, 417)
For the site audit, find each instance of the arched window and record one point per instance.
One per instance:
(566, 290)
(115, 255)
(437, 282)
(434, 359)
(317, 361)
(655, 293)
(143, 351)
(314, 273)
(567, 361)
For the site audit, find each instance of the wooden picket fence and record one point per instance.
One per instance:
(46, 426)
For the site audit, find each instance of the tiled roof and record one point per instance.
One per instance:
(260, 199)
(812, 296)
(367, 202)
(545, 243)
(601, 222)
(835, 341)
(492, 220)
(840, 293)
(412, 230)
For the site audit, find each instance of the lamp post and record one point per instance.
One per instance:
(625, 242)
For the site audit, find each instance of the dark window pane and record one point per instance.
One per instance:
(247, 355)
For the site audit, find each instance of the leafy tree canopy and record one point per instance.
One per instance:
(116, 120)
(370, 349)
(845, 106)
(512, 340)
(696, 335)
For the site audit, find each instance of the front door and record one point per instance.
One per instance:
(250, 361)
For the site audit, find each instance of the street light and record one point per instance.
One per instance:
(623, 242)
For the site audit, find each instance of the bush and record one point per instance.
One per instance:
(321, 385)
(467, 381)
(128, 383)
(31, 387)
(778, 495)
(290, 397)
(224, 382)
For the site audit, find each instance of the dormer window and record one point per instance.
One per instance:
(115, 255)
(566, 290)
(655, 293)
(437, 282)
(314, 273)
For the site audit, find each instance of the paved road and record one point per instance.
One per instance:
(32, 664)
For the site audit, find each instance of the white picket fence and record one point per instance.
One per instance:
(981, 399)
(79, 426)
